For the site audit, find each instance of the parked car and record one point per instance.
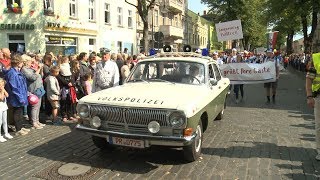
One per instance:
(167, 101)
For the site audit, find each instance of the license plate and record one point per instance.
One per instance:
(126, 142)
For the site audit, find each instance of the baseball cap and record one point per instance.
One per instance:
(269, 51)
(215, 53)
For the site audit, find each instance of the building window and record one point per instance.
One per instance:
(176, 21)
(156, 18)
(16, 43)
(129, 18)
(14, 6)
(48, 7)
(73, 8)
(92, 43)
(107, 13)
(91, 10)
(119, 46)
(119, 10)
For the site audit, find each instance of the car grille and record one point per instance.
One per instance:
(129, 119)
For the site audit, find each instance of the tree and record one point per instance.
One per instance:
(308, 8)
(143, 7)
(285, 19)
(250, 14)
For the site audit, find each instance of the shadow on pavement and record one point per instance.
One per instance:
(78, 145)
(300, 155)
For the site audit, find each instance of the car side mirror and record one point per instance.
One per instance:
(213, 81)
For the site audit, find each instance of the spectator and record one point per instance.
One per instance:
(3, 112)
(125, 69)
(34, 86)
(53, 93)
(17, 90)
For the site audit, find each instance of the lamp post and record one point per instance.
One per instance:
(152, 38)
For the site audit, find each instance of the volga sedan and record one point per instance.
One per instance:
(165, 101)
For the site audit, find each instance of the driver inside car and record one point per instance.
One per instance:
(193, 77)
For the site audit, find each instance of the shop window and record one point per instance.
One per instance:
(107, 13)
(119, 10)
(129, 18)
(16, 43)
(91, 10)
(61, 45)
(73, 9)
(48, 7)
(156, 18)
(14, 6)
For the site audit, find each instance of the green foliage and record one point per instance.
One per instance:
(250, 12)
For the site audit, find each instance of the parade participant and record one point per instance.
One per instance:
(106, 74)
(215, 57)
(3, 112)
(17, 89)
(194, 76)
(313, 95)
(272, 85)
(238, 87)
(233, 56)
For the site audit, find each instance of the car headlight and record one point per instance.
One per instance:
(84, 111)
(177, 119)
(95, 122)
(154, 127)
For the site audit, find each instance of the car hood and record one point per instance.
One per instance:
(150, 95)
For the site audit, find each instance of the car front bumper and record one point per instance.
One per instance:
(148, 139)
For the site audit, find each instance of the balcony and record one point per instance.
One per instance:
(174, 6)
(171, 31)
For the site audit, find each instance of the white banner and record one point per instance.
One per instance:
(230, 30)
(243, 73)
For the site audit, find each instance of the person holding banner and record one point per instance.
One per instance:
(238, 87)
(272, 85)
(313, 95)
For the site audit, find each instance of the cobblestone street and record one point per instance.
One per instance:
(253, 141)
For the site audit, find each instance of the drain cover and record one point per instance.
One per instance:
(73, 169)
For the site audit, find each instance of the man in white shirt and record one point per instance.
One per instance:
(215, 57)
(106, 74)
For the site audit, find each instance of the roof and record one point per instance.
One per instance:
(192, 57)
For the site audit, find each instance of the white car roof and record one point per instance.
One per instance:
(201, 59)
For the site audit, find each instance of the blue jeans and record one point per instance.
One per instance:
(236, 90)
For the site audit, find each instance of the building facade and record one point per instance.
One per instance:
(298, 46)
(68, 27)
(166, 22)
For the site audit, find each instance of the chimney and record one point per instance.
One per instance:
(204, 12)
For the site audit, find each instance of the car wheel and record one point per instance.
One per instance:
(192, 152)
(101, 143)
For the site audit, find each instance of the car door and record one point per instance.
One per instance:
(214, 92)
(222, 85)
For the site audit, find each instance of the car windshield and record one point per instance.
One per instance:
(168, 71)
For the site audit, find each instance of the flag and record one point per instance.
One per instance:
(272, 39)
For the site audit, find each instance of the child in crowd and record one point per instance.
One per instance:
(88, 83)
(53, 92)
(3, 112)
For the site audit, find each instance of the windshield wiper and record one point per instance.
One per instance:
(138, 80)
(162, 80)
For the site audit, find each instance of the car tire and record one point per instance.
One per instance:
(102, 143)
(193, 151)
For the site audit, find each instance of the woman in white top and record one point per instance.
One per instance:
(125, 69)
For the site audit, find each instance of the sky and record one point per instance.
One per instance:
(196, 6)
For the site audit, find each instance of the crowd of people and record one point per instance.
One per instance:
(31, 83)
(248, 57)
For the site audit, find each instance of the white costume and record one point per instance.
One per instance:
(105, 77)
